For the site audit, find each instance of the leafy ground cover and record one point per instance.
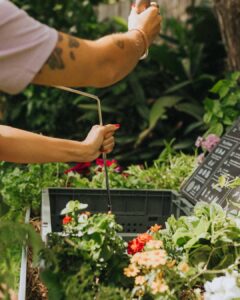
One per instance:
(181, 261)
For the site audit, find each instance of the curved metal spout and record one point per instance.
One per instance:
(99, 108)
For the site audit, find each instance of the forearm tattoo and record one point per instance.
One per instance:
(55, 60)
(73, 42)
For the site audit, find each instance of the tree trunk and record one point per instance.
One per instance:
(228, 13)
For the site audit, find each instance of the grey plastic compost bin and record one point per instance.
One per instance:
(135, 210)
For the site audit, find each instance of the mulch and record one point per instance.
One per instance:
(35, 288)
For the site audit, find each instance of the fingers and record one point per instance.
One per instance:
(111, 127)
(154, 4)
(108, 145)
(153, 10)
(149, 21)
(110, 131)
(109, 141)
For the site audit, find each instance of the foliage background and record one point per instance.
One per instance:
(161, 100)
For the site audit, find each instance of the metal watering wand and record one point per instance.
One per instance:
(109, 202)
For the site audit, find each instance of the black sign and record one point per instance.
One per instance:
(223, 160)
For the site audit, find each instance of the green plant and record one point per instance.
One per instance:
(88, 256)
(167, 172)
(175, 262)
(22, 187)
(225, 182)
(223, 108)
(210, 239)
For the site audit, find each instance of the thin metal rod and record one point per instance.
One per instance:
(99, 108)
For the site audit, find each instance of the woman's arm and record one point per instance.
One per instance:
(79, 62)
(21, 146)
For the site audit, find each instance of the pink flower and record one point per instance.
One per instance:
(198, 142)
(118, 169)
(109, 163)
(210, 142)
(79, 168)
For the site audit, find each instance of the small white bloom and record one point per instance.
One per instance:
(224, 288)
(82, 218)
(237, 221)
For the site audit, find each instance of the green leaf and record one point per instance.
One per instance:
(177, 87)
(181, 236)
(186, 63)
(231, 100)
(207, 117)
(200, 254)
(191, 109)
(72, 206)
(215, 129)
(235, 76)
(223, 91)
(216, 88)
(159, 108)
(222, 181)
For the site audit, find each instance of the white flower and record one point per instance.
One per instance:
(237, 221)
(224, 288)
(82, 218)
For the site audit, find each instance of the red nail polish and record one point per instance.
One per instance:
(117, 125)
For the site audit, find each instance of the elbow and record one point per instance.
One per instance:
(108, 77)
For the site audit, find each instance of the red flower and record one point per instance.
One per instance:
(137, 244)
(66, 220)
(79, 168)
(100, 162)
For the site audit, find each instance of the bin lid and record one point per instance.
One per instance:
(224, 159)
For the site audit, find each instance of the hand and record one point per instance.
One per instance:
(100, 139)
(149, 21)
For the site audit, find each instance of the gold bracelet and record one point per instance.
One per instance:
(145, 40)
